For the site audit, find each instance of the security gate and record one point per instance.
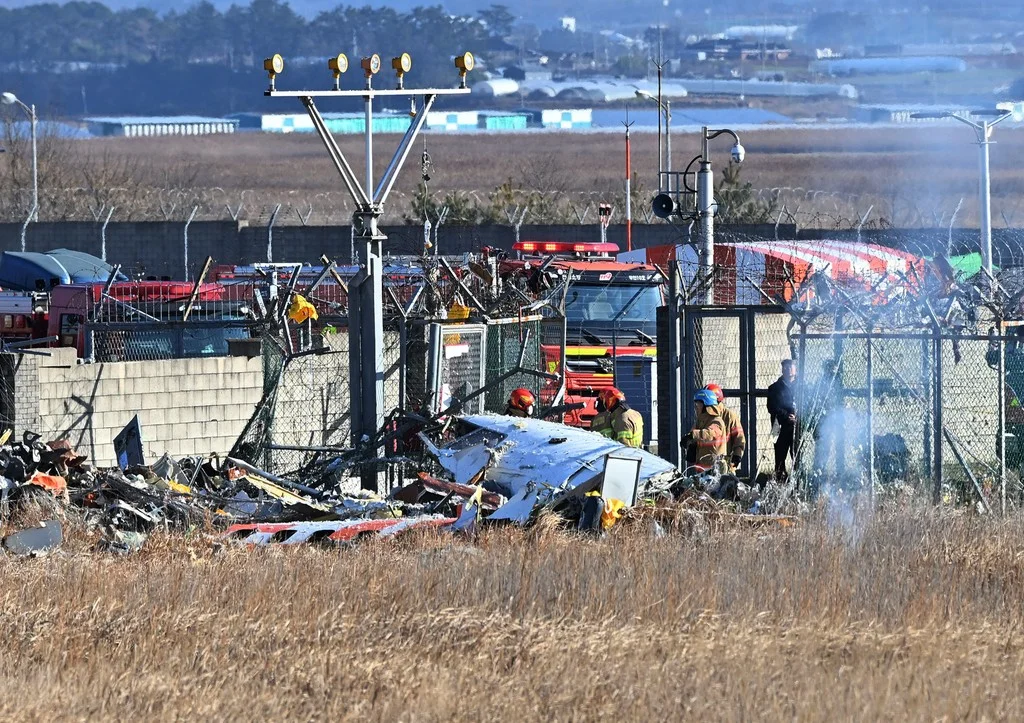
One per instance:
(739, 348)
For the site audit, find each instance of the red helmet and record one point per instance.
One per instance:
(611, 396)
(522, 399)
(717, 390)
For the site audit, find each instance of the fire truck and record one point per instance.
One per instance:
(610, 308)
(22, 315)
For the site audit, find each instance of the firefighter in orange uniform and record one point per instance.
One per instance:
(733, 428)
(708, 435)
(627, 425)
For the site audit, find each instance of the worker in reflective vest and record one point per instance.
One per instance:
(627, 426)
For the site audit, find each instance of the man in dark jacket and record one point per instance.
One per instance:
(782, 408)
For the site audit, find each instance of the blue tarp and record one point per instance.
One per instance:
(34, 271)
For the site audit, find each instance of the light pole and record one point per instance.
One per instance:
(666, 106)
(983, 131)
(12, 99)
(706, 204)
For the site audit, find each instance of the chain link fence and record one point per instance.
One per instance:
(913, 407)
(305, 410)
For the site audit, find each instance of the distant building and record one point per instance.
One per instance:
(453, 121)
(888, 66)
(342, 123)
(492, 120)
(145, 126)
(567, 119)
(530, 72)
(775, 32)
(882, 113)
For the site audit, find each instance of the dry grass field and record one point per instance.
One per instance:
(912, 176)
(912, 615)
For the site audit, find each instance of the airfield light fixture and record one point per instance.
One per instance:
(402, 65)
(338, 65)
(465, 63)
(370, 66)
(274, 65)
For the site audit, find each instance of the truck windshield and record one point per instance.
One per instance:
(612, 305)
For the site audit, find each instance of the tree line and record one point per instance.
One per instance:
(84, 57)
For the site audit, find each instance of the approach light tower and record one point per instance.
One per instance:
(366, 297)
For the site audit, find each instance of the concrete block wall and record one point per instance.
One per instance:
(185, 406)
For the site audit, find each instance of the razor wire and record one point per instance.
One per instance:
(806, 207)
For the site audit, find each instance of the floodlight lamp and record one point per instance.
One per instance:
(273, 65)
(338, 64)
(371, 65)
(464, 63)
(8, 98)
(402, 64)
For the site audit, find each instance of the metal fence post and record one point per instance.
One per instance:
(1001, 426)
(871, 414)
(937, 414)
(672, 449)
(188, 223)
(270, 234)
(103, 235)
(434, 367)
(926, 388)
(403, 359)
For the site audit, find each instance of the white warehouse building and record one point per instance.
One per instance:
(146, 126)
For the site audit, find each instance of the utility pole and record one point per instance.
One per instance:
(30, 110)
(706, 206)
(983, 132)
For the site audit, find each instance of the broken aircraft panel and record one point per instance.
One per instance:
(511, 454)
(333, 531)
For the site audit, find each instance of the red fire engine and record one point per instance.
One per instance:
(610, 308)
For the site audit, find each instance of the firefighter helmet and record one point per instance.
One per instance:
(611, 397)
(522, 399)
(719, 394)
(706, 397)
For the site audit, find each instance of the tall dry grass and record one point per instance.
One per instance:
(912, 176)
(915, 615)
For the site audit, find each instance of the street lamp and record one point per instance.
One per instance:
(12, 99)
(983, 130)
(706, 206)
(663, 105)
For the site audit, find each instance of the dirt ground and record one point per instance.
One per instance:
(847, 615)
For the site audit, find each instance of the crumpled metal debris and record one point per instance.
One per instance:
(35, 541)
(470, 471)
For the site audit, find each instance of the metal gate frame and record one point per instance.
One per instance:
(748, 392)
(437, 365)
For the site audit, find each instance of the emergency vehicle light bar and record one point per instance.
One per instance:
(554, 247)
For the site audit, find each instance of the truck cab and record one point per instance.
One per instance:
(610, 308)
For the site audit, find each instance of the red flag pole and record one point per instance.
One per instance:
(629, 194)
